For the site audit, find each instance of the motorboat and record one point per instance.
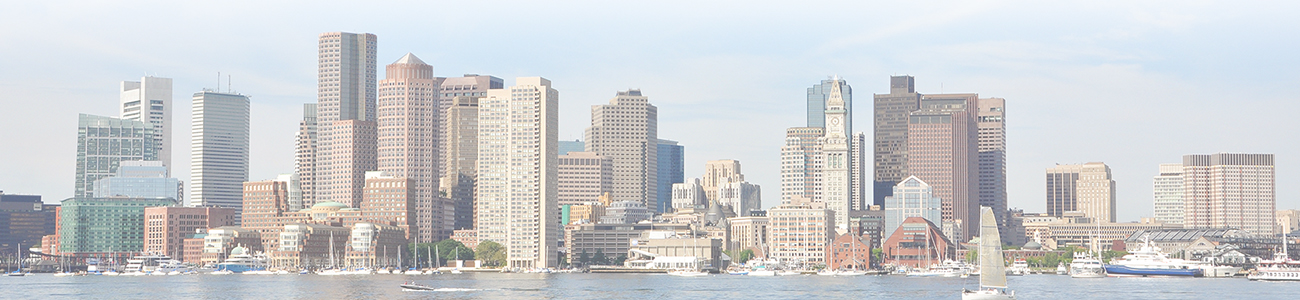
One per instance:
(788, 273)
(993, 279)
(1085, 266)
(1149, 261)
(241, 261)
(688, 273)
(761, 273)
(738, 273)
(1019, 267)
(411, 286)
(1280, 268)
(826, 272)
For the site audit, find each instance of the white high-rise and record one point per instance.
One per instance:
(1229, 190)
(150, 100)
(218, 149)
(836, 188)
(518, 171)
(1168, 190)
(626, 131)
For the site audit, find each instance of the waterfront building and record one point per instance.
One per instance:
(517, 188)
(1075, 229)
(392, 200)
(697, 252)
(749, 232)
(992, 161)
(304, 158)
(408, 124)
(849, 251)
(375, 245)
(800, 232)
(625, 212)
(942, 142)
(1229, 190)
(346, 146)
(220, 240)
(25, 220)
(611, 240)
(836, 188)
(104, 226)
(150, 101)
(468, 237)
(140, 179)
(911, 198)
(192, 248)
(741, 197)
(689, 195)
(718, 172)
(801, 163)
(103, 143)
(218, 149)
(584, 176)
(460, 156)
(572, 146)
(918, 243)
(1087, 188)
(890, 134)
(627, 131)
(870, 224)
(310, 245)
(671, 170)
(1199, 244)
(1288, 220)
(1168, 190)
(166, 228)
(264, 208)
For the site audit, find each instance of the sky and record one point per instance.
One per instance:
(1129, 83)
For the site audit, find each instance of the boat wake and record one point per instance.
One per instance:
(444, 290)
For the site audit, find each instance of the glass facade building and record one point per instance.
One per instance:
(911, 198)
(103, 143)
(104, 225)
(140, 179)
(671, 170)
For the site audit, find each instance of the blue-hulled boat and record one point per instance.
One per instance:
(1149, 261)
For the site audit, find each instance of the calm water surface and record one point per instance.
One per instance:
(621, 286)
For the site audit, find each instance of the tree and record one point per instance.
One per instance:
(584, 258)
(450, 249)
(491, 253)
(878, 254)
(620, 259)
(600, 259)
(973, 255)
(745, 256)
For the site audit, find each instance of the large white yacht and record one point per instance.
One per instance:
(1280, 268)
(1086, 266)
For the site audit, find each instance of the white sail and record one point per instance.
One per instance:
(992, 269)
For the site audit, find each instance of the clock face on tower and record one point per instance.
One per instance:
(835, 121)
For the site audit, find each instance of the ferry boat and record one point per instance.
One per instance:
(1149, 261)
(241, 261)
(1280, 268)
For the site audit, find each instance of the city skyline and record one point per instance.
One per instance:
(1085, 75)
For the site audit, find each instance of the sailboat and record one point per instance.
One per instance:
(19, 271)
(993, 278)
(333, 270)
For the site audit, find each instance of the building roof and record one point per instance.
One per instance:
(410, 59)
(330, 204)
(1187, 235)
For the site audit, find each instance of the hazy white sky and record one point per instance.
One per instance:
(1129, 84)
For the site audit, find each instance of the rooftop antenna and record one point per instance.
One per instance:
(228, 83)
(218, 81)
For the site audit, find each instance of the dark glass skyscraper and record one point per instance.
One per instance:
(671, 170)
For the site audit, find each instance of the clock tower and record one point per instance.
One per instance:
(836, 188)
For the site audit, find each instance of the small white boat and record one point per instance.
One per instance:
(688, 273)
(220, 272)
(851, 273)
(112, 273)
(788, 273)
(826, 272)
(413, 272)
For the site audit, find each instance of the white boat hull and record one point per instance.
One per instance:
(986, 295)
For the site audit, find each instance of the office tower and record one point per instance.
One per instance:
(140, 179)
(836, 188)
(911, 198)
(820, 94)
(345, 115)
(107, 227)
(409, 122)
(460, 154)
(689, 194)
(218, 149)
(942, 151)
(150, 100)
(891, 119)
(304, 158)
(993, 158)
(800, 232)
(718, 172)
(25, 220)
(801, 164)
(517, 168)
(859, 196)
(1168, 190)
(572, 146)
(671, 170)
(265, 205)
(626, 131)
(1229, 190)
(103, 143)
(584, 177)
(469, 85)
(741, 197)
(1086, 188)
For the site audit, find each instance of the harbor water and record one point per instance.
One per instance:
(621, 286)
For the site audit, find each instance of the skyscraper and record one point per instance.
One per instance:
(836, 188)
(304, 158)
(626, 130)
(460, 155)
(942, 150)
(584, 177)
(801, 163)
(346, 116)
(993, 158)
(1167, 188)
(672, 161)
(1229, 190)
(517, 168)
(890, 131)
(408, 123)
(218, 149)
(1086, 188)
(718, 172)
(859, 196)
(150, 100)
(103, 143)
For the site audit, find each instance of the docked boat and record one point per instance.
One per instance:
(1149, 261)
(788, 273)
(993, 279)
(1061, 270)
(949, 268)
(240, 261)
(738, 273)
(1280, 268)
(1085, 266)
(688, 273)
(1020, 267)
